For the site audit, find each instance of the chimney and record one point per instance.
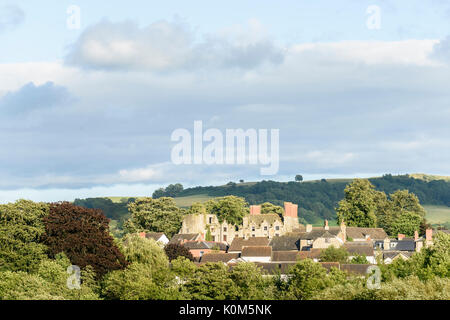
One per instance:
(400, 237)
(290, 210)
(416, 235)
(343, 231)
(142, 234)
(254, 210)
(308, 227)
(326, 225)
(429, 234)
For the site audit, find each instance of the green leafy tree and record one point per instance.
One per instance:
(307, 278)
(197, 208)
(21, 231)
(359, 259)
(299, 178)
(230, 208)
(211, 281)
(154, 215)
(268, 207)
(359, 206)
(250, 283)
(332, 254)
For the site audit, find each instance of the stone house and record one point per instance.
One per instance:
(256, 254)
(199, 248)
(159, 237)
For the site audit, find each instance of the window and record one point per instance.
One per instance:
(210, 220)
(201, 253)
(277, 228)
(253, 228)
(327, 240)
(277, 235)
(213, 238)
(224, 229)
(265, 228)
(253, 235)
(224, 238)
(236, 228)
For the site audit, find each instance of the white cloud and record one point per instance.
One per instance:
(10, 17)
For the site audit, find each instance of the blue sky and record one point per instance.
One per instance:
(89, 112)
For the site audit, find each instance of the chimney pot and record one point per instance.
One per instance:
(416, 235)
(429, 234)
(142, 234)
(326, 225)
(400, 236)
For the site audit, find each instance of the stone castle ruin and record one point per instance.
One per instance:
(254, 225)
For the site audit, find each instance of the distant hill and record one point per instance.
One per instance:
(317, 199)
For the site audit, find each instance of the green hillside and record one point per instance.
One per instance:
(438, 215)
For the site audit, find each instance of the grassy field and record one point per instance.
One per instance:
(437, 214)
(186, 202)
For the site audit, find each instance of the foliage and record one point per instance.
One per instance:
(49, 282)
(359, 259)
(197, 208)
(230, 208)
(307, 277)
(172, 190)
(154, 215)
(211, 281)
(268, 207)
(21, 231)
(332, 254)
(83, 235)
(358, 208)
(175, 250)
(299, 178)
(250, 283)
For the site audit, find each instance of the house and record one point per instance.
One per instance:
(313, 254)
(240, 242)
(378, 236)
(256, 254)
(322, 237)
(362, 248)
(184, 237)
(159, 237)
(254, 224)
(199, 248)
(390, 256)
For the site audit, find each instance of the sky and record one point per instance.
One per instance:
(91, 92)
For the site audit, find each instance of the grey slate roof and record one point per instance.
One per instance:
(291, 256)
(319, 232)
(286, 242)
(360, 269)
(405, 245)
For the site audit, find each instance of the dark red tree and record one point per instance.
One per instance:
(83, 235)
(175, 250)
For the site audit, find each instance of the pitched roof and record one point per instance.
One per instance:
(405, 245)
(393, 254)
(273, 267)
(361, 248)
(219, 257)
(240, 242)
(257, 251)
(329, 265)
(314, 253)
(320, 232)
(360, 233)
(154, 235)
(286, 242)
(360, 269)
(258, 219)
(205, 245)
(185, 237)
(285, 256)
